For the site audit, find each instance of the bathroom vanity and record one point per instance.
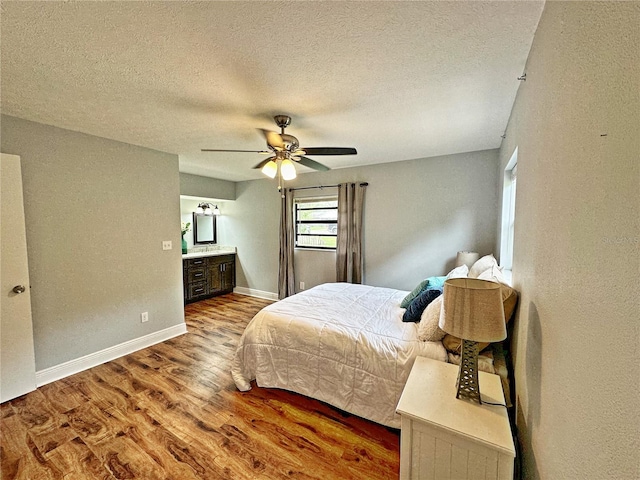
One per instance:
(208, 273)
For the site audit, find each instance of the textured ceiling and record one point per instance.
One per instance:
(396, 80)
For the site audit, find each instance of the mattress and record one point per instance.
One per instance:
(341, 343)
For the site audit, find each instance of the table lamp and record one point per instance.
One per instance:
(467, 258)
(472, 310)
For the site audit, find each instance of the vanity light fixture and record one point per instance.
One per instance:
(206, 208)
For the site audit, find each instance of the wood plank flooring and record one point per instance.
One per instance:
(172, 411)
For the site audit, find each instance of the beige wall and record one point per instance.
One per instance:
(206, 187)
(251, 225)
(418, 214)
(576, 260)
(96, 213)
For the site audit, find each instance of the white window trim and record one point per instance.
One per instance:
(507, 230)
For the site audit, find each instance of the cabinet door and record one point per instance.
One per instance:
(228, 276)
(214, 277)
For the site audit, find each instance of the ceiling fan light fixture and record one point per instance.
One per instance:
(285, 150)
(270, 169)
(287, 169)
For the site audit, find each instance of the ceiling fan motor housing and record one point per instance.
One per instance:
(283, 121)
(290, 143)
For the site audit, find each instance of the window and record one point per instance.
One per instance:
(316, 221)
(508, 212)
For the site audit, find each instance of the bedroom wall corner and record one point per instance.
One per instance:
(251, 225)
(577, 224)
(418, 214)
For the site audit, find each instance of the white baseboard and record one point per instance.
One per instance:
(71, 367)
(252, 292)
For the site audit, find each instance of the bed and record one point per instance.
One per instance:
(341, 343)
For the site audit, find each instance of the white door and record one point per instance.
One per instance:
(17, 360)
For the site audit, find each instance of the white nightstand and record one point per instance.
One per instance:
(443, 437)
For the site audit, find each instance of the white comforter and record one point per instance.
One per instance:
(341, 343)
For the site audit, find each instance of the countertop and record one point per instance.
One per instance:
(210, 253)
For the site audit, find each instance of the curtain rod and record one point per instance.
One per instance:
(363, 184)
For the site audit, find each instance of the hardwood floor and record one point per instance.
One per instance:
(172, 411)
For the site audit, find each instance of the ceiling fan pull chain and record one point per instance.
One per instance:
(280, 182)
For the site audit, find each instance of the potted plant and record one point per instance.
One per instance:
(185, 228)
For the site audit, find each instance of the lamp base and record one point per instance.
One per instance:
(468, 386)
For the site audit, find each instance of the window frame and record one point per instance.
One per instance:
(297, 222)
(509, 212)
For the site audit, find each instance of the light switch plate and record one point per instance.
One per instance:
(166, 245)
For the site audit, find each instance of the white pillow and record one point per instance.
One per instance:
(482, 265)
(493, 274)
(428, 329)
(458, 272)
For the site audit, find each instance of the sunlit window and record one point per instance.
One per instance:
(316, 221)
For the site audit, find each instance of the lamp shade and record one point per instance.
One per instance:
(467, 258)
(472, 310)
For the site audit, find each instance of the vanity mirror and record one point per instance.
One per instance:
(204, 228)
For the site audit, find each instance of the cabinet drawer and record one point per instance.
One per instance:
(197, 289)
(196, 274)
(195, 262)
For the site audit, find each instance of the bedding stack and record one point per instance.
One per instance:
(424, 304)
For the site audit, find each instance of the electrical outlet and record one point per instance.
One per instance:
(301, 285)
(166, 245)
(144, 317)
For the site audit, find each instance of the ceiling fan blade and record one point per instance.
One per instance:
(274, 139)
(264, 162)
(221, 150)
(307, 162)
(329, 151)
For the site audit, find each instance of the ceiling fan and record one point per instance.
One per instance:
(286, 150)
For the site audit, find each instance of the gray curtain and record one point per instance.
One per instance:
(349, 250)
(286, 279)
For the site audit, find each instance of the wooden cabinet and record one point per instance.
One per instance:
(206, 277)
(443, 437)
(221, 274)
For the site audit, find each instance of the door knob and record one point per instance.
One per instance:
(19, 289)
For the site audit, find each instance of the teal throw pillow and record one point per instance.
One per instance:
(435, 282)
